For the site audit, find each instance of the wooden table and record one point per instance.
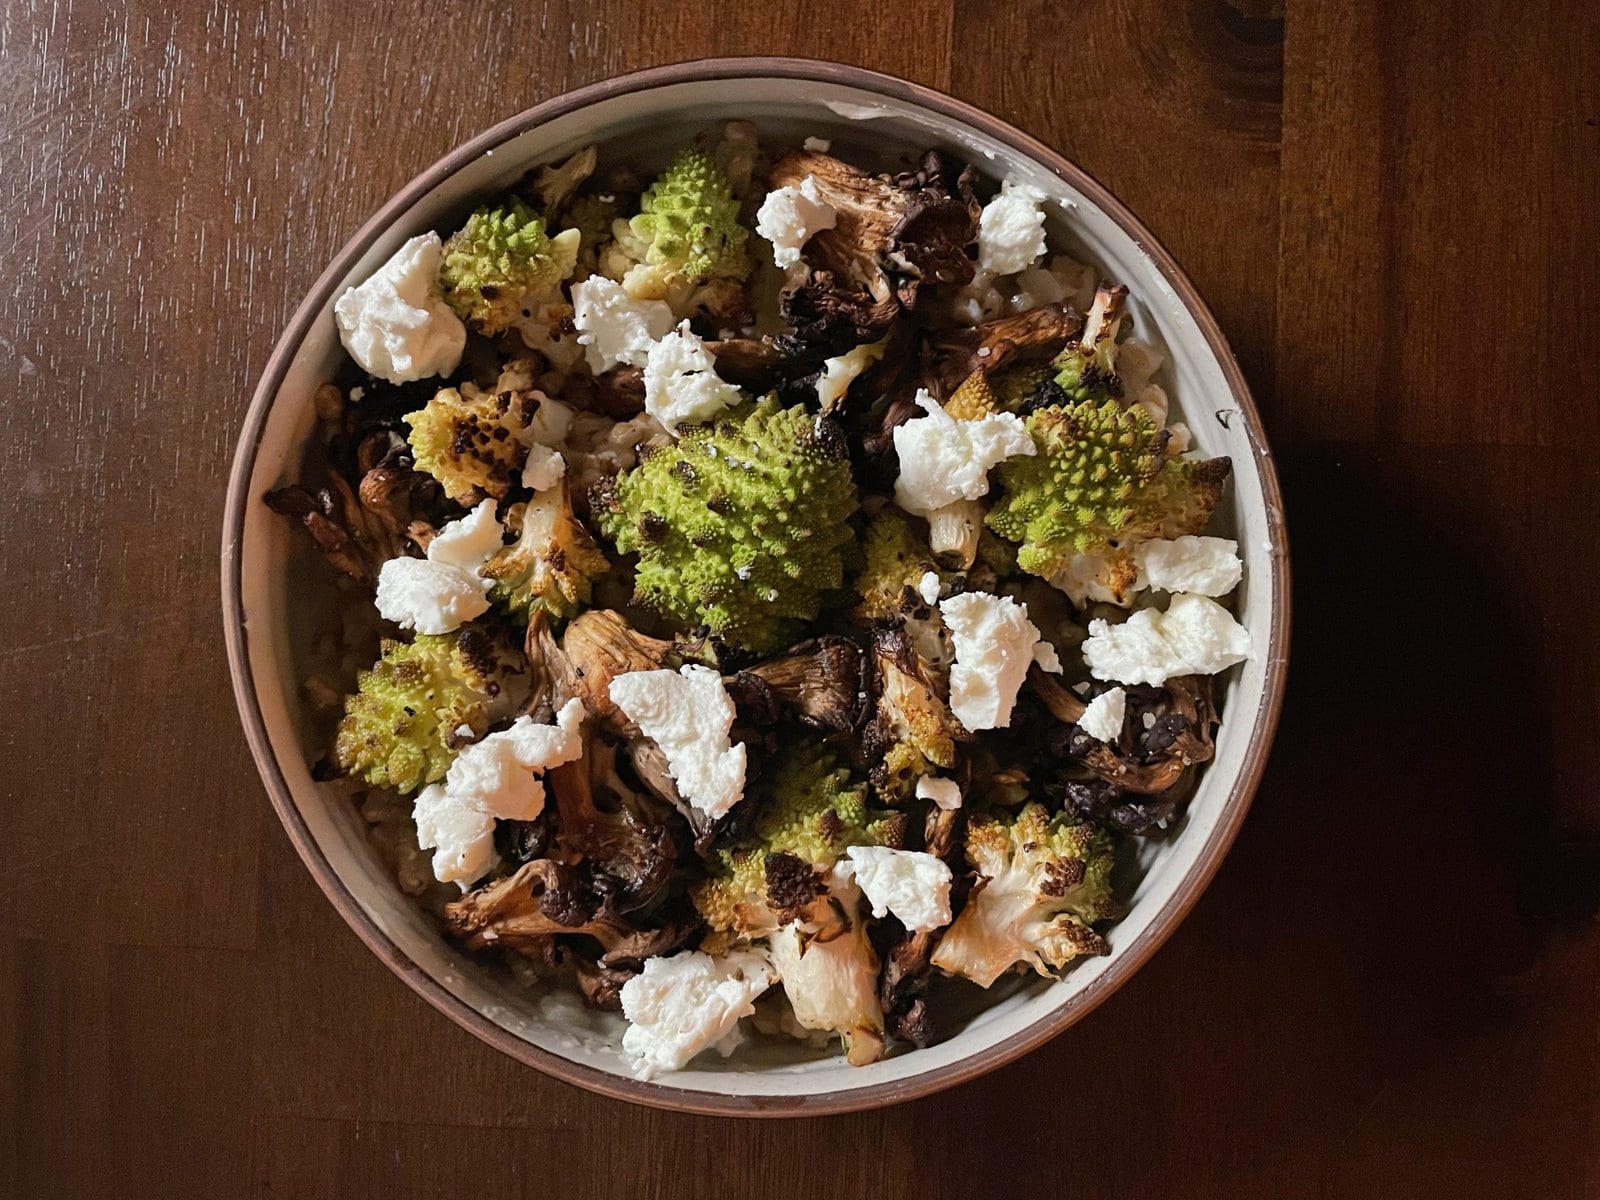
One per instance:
(1393, 987)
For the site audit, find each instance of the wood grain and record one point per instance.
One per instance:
(1392, 987)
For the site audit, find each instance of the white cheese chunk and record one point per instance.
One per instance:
(1202, 566)
(789, 216)
(397, 325)
(494, 779)
(469, 542)
(840, 372)
(1011, 230)
(1102, 717)
(817, 145)
(428, 596)
(945, 793)
(994, 643)
(678, 1006)
(543, 469)
(680, 381)
(928, 587)
(688, 713)
(1195, 636)
(911, 884)
(943, 460)
(613, 328)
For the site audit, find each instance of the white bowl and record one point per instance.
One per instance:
(872, 118)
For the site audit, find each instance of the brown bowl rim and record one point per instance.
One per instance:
(659, 1095)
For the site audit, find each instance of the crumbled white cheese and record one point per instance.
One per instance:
(397, 325)
(945, 793)
(544, 468)
(469, 542)
(678, 1006)
(1195, 636)
(1011, 230)
(943, 460)
(840, 372)
(465, 731)
(680, 381)
(688, 713)
(994, 643)
(1102, 717)
(495, 779)
(613, 328)
(817, 145)
(789, 216)
(911, 884)
(552, 421)
(928, 587)
(1202, 566)
(428, 596)
(1045, 655)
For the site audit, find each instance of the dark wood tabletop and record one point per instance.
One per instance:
(1393, 986)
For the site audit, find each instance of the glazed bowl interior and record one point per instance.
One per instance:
(270, 582)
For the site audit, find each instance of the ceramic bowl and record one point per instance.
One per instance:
(874, 119)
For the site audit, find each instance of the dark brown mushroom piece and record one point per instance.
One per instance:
(552, 678)
(908, 966)
(539, 901)
(820, 681)
(954, 354)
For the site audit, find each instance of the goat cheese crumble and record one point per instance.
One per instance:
(470, 541)
(1201, 566)
(1045, 655)
(680, 381)
(945, 793)
(928, 587)
(1011, 230)
(1103, 716)
(994, 643)
(1195, 636)
(817, 145)
(943, 459)
(494, 779)
(688, 713)
(840, 372)
(440, 593)
(613, 328)
(397, 325)
(911, 884)
(544, 468)
(680, 1005)
(790, 216)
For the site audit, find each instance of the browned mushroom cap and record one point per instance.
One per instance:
(358, 530)
(820, 680)
(539, 901)
(954, 354)
(553, 679)
(760, 364)
(600, 645)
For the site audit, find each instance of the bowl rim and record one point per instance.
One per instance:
(658, 1095)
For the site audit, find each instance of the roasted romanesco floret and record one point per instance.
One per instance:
(896, 557)
(740, 526)
(686, 245)
(913, 732)
(471, 440)
(1087, 370)
(502, 260)
(809, 811)
(1104, 478)
(404, 724)
(552, 565)
(1042, 884)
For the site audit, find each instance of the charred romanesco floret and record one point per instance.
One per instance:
(740, 526)
(402, 726)
(1087, 371)
(1104, 477)
(552, 565)
(502, 259)
(913, 732)
(470, 440)
(1044, 883)
(685, 237)
(809, 812)
(896, 557)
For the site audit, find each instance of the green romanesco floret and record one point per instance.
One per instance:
(1104, 478)
(552, 565)
(740, 525)
(422, 701)
(913, 732)
(500, 261)
(895, 558)
(471, 440)
(1087, 370)
(685, 239)
(809, 811)
(1043, 884)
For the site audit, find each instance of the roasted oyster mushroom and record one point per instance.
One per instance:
(819, 681)
(600, 645)
(952, 355)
